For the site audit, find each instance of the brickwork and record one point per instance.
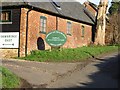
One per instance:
(90, 8)
(23, 31)
(34, 29)
(76, 39)
(73, 41)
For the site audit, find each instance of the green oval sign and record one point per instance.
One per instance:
(56, 38)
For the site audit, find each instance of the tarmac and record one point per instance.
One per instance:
(42, 74)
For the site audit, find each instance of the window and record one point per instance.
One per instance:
(83, 30)
(43, 22)
(5, 16)
(69, 27)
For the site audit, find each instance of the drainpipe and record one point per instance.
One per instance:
(56, 23)
(56, 29)
(27, 31)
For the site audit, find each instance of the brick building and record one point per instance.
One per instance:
(33, 20)
(93, 8)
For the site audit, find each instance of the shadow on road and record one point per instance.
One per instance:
(107, 72)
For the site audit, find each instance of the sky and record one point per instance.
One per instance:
(94, 1)
(81, 1)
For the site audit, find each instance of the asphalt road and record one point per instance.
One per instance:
(100, 73)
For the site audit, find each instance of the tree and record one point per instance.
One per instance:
(101, 23)
(114, 7)
(112, 30)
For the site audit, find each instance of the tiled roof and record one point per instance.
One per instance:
(73, 10)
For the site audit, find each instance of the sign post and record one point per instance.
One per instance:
(9, 39)
(56, 38)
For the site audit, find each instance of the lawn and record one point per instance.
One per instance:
(69, 55)
(8, 79)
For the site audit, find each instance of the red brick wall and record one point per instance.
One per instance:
(90, 8)
(34, 28)
(22, 32)
(73, 41)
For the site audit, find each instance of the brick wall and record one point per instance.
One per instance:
(76, 40)
(73, 41)
(90, 8)
(34, 29)
(23, 31)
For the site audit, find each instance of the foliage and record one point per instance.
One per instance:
(114, 7)
(69, 55)
(9, 80)
(112, 29)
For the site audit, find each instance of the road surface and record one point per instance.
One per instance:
(100, 73)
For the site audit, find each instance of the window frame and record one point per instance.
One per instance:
(43, 24)
(10, 17)
(83, 31)
(69, 28)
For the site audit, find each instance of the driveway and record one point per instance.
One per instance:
(97, 73)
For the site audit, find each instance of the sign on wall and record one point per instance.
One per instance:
(56, 38)
(9, 39)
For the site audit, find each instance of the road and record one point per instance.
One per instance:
(100, 73)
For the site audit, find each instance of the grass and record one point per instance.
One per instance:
(8, 80)
(69, 55)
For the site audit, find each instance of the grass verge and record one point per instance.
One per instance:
(69, 55)
(8, 79)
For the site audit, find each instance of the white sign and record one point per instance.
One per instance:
(9, 39)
